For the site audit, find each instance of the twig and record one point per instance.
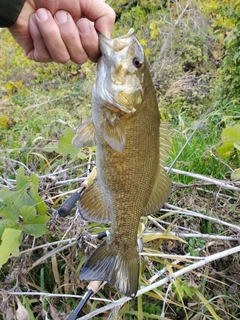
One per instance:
(188, 139)
(48, 255)
(195, 235)
(199, 215)
(46, 295)
(66, 182)
(18, 162)
(170, 256)
(165, 301)
(50, 244)
(46, 102)
(220, 183)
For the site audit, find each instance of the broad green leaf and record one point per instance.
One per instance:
(14, 200)
(21, 179)
(33, 224)
(34, 180)
(7, 223)
(53, 146)
(10, 242)
(236, 174)
(231, 134)
(10, 212)
(65, 144)
(40, 205)
(225, 149)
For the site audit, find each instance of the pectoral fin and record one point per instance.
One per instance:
(114, 134)
(92, 206)
(85, 135)
(160, 192)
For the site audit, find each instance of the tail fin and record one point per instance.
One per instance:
(121, 271)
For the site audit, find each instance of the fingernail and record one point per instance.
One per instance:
(42, 14)
(61, 17)
(84, 26)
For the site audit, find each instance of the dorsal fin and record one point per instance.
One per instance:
(162, 185)
(160, 192)
(165, 142)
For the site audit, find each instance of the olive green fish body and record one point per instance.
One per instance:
(131, 181)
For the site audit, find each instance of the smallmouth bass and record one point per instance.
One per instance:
(132, 147)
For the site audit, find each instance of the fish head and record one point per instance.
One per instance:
(120, 78)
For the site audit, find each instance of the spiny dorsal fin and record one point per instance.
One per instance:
(160, 192)
(85, 135)
(162, 185)
(165, 142)
(114, 134)
(92, 206)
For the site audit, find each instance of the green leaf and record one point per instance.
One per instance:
(65, 144)
(33, 224)
(230, 140)
(236, 174)
(225, 150)
(10, 242)
(21, 179)
(40, 205)
(7, 223)
(231, 134)
(14, 200)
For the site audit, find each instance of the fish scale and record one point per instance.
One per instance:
(131, 148)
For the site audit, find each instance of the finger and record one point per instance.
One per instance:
(103, 17)
(51, 36)
(70, 36)
(89, 39)
(39, 51)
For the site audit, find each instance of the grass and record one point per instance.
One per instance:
(53, 98)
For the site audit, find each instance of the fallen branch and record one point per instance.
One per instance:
(221, 183)
(179, 210)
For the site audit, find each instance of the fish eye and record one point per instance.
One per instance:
(137, 63)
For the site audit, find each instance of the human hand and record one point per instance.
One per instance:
(60, 30)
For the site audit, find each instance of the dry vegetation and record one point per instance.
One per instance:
(190, 259)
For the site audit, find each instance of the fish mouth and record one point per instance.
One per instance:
(116, 44)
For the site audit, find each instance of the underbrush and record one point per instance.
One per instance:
(190, 258)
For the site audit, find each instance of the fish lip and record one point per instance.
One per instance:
(110, 42)
(130, 33)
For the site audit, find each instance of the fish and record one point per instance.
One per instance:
(132, 146)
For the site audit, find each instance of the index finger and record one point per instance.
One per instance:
(101, 14)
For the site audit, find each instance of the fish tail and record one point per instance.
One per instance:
(118, 269)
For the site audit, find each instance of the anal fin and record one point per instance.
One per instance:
(92, 206)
